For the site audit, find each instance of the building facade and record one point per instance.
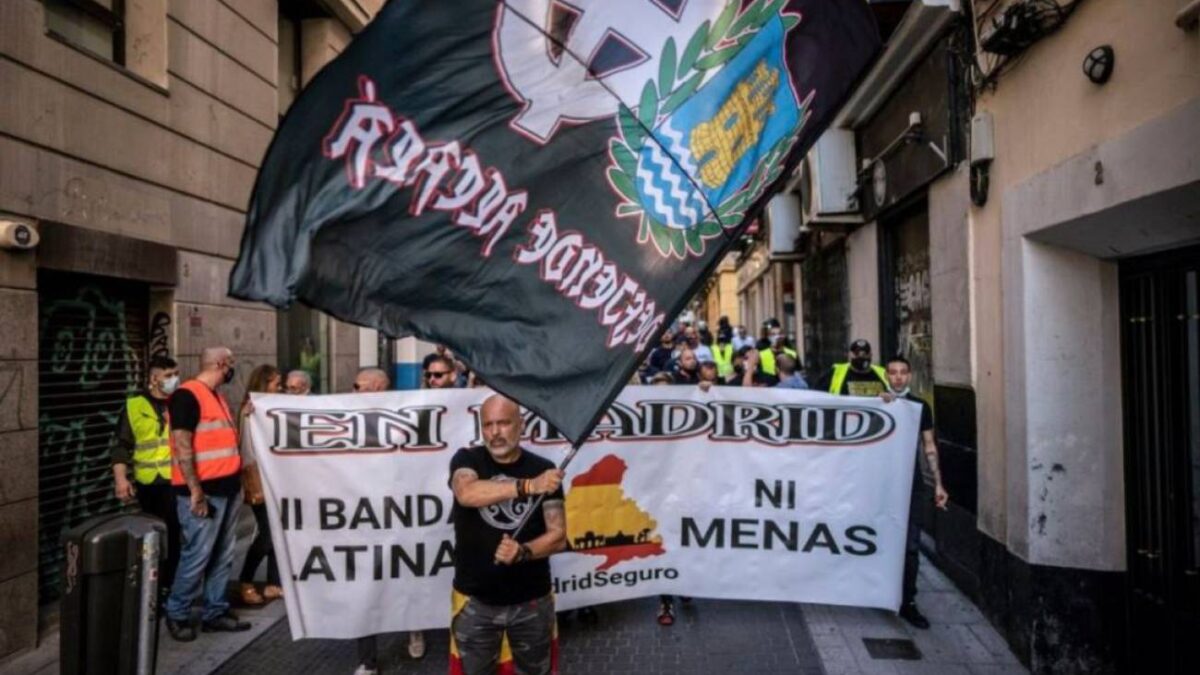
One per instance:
(719, 297)
(1011, 200)
(130, 135)
(1083, 287)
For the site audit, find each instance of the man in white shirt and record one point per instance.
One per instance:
(740, 339)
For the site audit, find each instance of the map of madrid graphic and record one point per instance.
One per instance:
(602, 521)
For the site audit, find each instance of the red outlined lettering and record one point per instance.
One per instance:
(579, 272)
(444, 176)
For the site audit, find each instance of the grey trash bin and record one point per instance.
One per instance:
(110, 595)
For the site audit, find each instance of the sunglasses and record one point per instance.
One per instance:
(431, 374)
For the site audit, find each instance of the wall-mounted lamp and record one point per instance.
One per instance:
(1098, 65)
(875, 170)
(18, 235)
(983, 151)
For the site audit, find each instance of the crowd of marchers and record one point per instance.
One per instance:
(690, 353)
(184, 456)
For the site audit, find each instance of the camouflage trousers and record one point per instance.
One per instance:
(484, 636)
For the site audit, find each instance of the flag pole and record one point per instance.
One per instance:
(538, 502)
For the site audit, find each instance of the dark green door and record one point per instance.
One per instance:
(1160, 335)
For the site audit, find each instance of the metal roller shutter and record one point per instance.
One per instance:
(91, 351)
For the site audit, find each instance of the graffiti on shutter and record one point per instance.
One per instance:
(913, 301)
(91, 349)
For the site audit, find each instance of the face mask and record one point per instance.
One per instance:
(899, 394)
(169, 385)
(775, 339)
(229, 375)
(861, 363)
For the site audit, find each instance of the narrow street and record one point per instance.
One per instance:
(708, 636)
(326, 308)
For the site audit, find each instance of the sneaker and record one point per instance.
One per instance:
(362, 669)
(416, 644)
(666, 614)
(226, 623)
(910, 613)
(181, 631)
(272, 592)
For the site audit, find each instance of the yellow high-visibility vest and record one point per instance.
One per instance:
(766, 361)
(152, 441)
(766, 358)
(723, 357)
(840, 370)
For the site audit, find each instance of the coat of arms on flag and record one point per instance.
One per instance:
(720, 118)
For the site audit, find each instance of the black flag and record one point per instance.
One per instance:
(542, 184)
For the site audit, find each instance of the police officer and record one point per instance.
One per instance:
(144, 448)
(857, 376)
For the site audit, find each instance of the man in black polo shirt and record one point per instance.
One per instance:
(899, 375)
(502, 583)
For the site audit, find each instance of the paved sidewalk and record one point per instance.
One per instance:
(960, 640)
(210, 650)
(204, 655)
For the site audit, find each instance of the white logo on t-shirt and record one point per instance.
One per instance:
(507, 514)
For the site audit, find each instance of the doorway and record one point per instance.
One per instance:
(92, 345)
(1160, 347)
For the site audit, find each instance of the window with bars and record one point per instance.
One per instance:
(96, 26)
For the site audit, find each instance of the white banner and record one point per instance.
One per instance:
(761, 494)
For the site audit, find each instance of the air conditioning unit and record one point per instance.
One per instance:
(783, 216)
(829, 181)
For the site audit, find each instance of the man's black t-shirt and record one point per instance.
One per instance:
(478, 532)
(185, 416)
(926, 411)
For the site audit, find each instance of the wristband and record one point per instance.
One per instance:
(520, 488)
(525, 553)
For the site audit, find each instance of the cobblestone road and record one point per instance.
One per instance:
(709, 636)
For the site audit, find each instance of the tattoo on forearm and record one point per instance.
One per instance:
(932, 458)
(187, 458)
(555, 515)
(556, 529)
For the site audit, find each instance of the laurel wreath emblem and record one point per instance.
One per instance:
(713, 44)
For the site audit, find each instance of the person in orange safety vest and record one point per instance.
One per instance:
(206, 470)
